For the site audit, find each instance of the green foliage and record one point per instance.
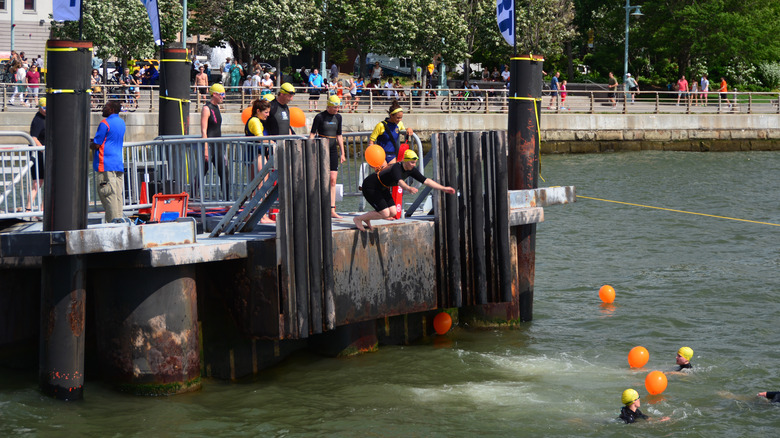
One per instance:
(121, 29)
(769, 73)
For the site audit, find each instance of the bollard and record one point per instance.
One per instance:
(147, 329)
(523, 163)
(174, 111)
(63, 293)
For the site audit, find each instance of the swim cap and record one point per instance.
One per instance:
(686, 352)
(287, 88)
(629, 396)
(410, 155)
(42, 102)
(216, 88)
(334, 101)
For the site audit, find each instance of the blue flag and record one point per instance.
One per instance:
(505, 16)
(66, 10)
(154, 19)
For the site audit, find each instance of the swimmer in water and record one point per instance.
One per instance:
(773, 396)
(684, 356)
(630, 412)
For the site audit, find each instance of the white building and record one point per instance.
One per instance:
(31, 20)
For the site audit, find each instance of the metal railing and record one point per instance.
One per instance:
(173, 165)
(145, 98)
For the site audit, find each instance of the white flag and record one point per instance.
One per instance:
(505, 16)
(66, 10)
(154, 19)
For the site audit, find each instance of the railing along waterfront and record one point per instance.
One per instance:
(173, 166)
(145, 98)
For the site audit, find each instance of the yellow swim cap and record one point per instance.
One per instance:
(334, 101)
(629, 396)
(42, 102)
(287, 88)
(410, 155)
(269, 97)
(686, 352)
(216, 88)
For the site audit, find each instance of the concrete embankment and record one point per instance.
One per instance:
(561, 133)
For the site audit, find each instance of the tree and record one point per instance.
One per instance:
(120, 28)
(271, 29)
(350, 24)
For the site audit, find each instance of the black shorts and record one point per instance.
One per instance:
(379, 199)
(335, 157)
(37, 165)
(314, 94)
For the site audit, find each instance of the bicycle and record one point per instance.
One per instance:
(464, 101)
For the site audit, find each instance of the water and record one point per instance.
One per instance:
(708, 283)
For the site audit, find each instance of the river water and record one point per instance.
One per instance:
(681, 279)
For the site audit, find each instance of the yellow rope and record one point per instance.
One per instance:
(181, 110)
(680, 211)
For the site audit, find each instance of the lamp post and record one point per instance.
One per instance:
(630, 10)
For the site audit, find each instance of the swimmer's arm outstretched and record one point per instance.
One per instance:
(428, 182)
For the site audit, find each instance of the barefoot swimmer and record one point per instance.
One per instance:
(376, 189)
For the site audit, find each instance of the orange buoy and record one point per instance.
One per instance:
(246, 114)
(297, 118)
(655, 382)
(607, 293)
(638, 357)
(375, 155)
(442, 323)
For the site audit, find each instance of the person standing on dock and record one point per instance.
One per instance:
(327, 124)
(554, 90)
(211, 127)
(386, 133)
(107, 162)
(278, 122)
(723, 90)
(38, 169)
(376, 189)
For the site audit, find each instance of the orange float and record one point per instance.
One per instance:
(607, 293)
(297, 118)
(655, 382)
(638, 357)
(246, 114)
(375, 155)
(442, 323)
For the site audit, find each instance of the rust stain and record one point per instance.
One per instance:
(76, 314)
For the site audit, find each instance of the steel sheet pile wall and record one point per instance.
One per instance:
(304, 239)
(472, 228)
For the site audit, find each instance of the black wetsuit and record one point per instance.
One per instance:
(217, 154)
(687, 366)
(38, 130)
(773, 396)
(376, 187)
(630, 416)
(328, 125)
(278, 121)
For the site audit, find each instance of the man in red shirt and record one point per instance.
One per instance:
(682, 89)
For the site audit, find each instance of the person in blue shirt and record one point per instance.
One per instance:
(107, 160)
(554, 90)
(315, 87)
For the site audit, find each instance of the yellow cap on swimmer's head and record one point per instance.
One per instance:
(334, 101)
(269, 97)
(42, 102)
(686, 352)
(410, 155)
(629, 396)
(287, 88)
(216, 88)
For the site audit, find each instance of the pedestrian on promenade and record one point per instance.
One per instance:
(315, 87)
(633, 86)
(705, 89)
(612, 87)
(376, 189)
(682, 89)
(327, 125)
(33, 79)
(723, 90)
(107, 160)
(201, 83)
(554, 89)
(563, 94)
(694, 93)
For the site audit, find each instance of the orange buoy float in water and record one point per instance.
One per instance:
(607, 293)
(442, 322)
(638, 357)
(246, 114)
(375, 155)
(655, 382)
(297, 118)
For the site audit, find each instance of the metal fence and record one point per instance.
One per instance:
(174, 165)
(145, 98)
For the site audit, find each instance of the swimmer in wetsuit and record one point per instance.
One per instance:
(773, 396)
(684, 356)
(376, 189)
(327, 124)
(630, 412)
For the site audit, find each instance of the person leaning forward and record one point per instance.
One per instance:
(107, 160)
